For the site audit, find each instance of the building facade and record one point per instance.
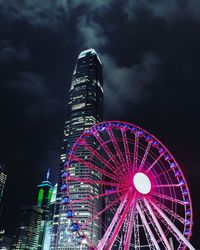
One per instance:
(45, 190)
(28, 228)
(44, 194)
(5, 241)
(49, 221)
(84, 109)
(3, 177)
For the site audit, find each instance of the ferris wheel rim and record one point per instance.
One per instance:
(140, 129)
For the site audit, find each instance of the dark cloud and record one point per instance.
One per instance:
(170, 10)
(91, 33)
(39, 14)
(150, 53)
(29, 84)
(11, 52)
(125, 86)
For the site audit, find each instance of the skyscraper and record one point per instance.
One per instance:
(49, 221)
(45, 190)
(3, 178)
(84, 109)
(28, 228)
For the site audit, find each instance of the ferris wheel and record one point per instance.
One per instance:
(139, 195)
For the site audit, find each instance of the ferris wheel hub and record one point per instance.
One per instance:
(142, 183)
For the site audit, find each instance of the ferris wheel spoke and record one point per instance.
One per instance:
(103, 225)
(145, 156)
(155, 162)
(167, 185)
(169, 211)
(151, 221)
(100, 195)
(136, 231)
(116, 147)
(118, 225)
(126, 147)
(107, 150)
(163, 172)
(166, 197)
(135, 153)
(131, 220)
(102, 211)
(143, 218)
(89, 181)
(103, 160)
(173, 227)
(95, 168)
(157, 224)
(103, 241)
(149, 240)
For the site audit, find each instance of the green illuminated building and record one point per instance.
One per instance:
(49, 221)
(45, 190)
(32, 220)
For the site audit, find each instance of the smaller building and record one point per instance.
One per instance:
(49, 221)
(3, 177)
(5, 241)
(45, 190)
(2, 234)
(44, 194)
(28, 228)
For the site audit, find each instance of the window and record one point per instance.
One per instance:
(78, 106)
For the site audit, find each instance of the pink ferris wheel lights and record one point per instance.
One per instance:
(124, 180)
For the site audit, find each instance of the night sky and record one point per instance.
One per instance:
(150, 50)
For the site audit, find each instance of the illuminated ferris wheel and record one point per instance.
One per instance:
(144, 201)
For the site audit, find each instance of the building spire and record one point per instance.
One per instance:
(48, 173)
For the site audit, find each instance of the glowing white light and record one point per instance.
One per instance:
(84, 241)
(142, 183)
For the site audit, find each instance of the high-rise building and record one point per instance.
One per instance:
(32, 220)
(5, 241)
(49, 221)
(2, 234)
(28, 228)
(45, 190)
(3, 178)
(84, 109)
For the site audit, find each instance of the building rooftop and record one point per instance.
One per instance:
(91, 51)
(45, 183)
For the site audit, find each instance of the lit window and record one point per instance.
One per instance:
(78, 106)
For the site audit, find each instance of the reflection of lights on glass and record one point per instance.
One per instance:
(142, 183)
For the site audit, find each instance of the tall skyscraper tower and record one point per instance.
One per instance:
(84, 109)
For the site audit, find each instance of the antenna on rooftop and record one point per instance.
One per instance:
(48, 173)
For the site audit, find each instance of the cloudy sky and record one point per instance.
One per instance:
(150, 51)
